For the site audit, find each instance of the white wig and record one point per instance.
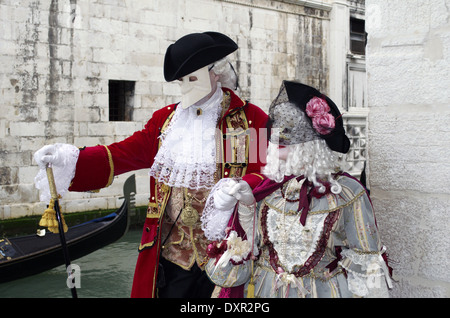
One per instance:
(227, 75)
(313, 159)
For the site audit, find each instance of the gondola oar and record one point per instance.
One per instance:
(48, 219)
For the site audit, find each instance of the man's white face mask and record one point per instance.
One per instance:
(195, 86)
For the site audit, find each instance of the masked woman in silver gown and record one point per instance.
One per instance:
(308, 229)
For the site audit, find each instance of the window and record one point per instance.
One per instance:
(358, 36)
(121, 100)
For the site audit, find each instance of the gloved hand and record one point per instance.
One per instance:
(226, 197)
(52, 154)
(222, 199)
(63, 159)
(242, 192)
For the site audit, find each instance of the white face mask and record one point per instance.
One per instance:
(195, 86)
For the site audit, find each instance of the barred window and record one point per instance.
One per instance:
(358, 36)
(121, 100)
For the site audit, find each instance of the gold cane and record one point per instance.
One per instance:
(54, 221)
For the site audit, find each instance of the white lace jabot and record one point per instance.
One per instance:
(187, 157)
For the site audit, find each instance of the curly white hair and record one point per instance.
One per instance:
(313, 159)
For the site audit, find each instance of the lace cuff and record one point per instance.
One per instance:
(246, 217)
(63, 171)
(366, 273)
(215, 221)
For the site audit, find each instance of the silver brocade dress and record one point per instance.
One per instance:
(336, 254)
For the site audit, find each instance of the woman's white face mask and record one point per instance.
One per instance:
(195, 86)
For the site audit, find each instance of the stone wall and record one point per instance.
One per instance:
(408, 62)
(56, 58)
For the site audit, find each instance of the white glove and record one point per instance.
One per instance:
(222, 199)
(242, 192)
(227, 197)
(52, 154)
(63, 158)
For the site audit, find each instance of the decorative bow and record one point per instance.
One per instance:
(305, 197)
(287, 281)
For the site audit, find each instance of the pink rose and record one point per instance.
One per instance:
(324, 123)
(316, 106)
(318, 110)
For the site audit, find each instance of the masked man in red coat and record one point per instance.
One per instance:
(188, 146)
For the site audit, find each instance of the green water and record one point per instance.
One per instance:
(105, 273)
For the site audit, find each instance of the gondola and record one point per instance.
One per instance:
(32, 254)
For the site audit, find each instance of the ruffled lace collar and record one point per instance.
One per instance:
(187, 157)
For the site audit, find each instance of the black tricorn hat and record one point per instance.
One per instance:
(194, 51)
(300, 94)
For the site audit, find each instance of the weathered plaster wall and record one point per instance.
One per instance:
(56, 58)
(408, 62)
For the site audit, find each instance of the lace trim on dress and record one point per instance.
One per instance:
(293, 242)
(371, 273)
(318, 250)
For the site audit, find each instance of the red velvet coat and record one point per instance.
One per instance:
(97, 166)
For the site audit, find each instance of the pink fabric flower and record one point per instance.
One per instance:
(318, 110)
(316, 106)
(323, 123)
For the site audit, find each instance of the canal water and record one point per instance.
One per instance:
(105, 273)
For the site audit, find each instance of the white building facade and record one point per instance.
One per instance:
(91, 72)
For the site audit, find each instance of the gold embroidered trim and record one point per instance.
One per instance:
(221, 152)
(361, 252)
(141, 247)
(152, 213)
(258, 175)
(192, 239)
(111, 167)
(177, 242)
(291, 212)
(154, 208)
(234, 146)
(164, 126)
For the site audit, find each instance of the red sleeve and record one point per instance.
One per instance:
(93, 169)
(253, 179)
(137, 151)
(96, 166)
